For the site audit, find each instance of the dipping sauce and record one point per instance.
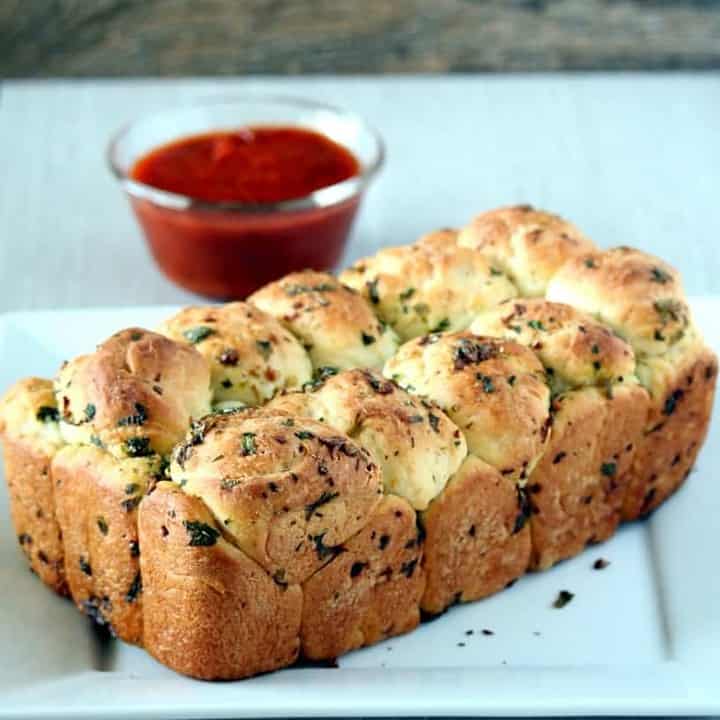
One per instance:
(227, 253)
(250, 165)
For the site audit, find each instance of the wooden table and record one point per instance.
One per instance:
(633, 159)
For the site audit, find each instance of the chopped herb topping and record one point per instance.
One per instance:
(594, 349)
(608, 469)
(304, 435)
(372, 288)
(131, 488)
(590, 263)
(131, 503)
(325, 498)
(324, 551)
(135, 588)
(670, 309)
(659, 276)
(47, 414)
(226, 383)
(672, 401)
(264, 348)
(495, 271)
(486, 382)
(134, 548)
(357, 568)
(96, 441)
(288, 422)
(138, 447)
(248, 444)
(563, 598)
(442, 326)
(201, 534)
(89, 412)
(320, 375)
(135, 336)
(102, 525)
(367, 339)
(139, 418)
(198, 334)
(536, 325)
(511, 380)
(85, 566)
(294, 290)
(412, 419)
(434, 421)
(380, 386)
(469, 352)
(407, 293)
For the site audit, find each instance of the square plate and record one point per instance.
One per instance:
(640, 637)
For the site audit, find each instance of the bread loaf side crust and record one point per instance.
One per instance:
(32, 507)
(577, 490)
(371, 591)
(210, 611)
(477, 539)
(98, 518)
(675, 431)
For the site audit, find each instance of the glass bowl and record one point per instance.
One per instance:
(227, 250)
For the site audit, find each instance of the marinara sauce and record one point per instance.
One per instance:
(226, 252)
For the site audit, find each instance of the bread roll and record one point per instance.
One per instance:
(417, 446)
(250, 354)
(528, 245)
(288, 491)
(578, 488)
(135, 395)
(430, 286)
(642, 299)
(335, 325)
(31, 436)
(495, 391)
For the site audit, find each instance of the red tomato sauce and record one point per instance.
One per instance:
(250, 165)
(227, 254)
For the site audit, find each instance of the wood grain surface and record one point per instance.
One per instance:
(40, 38)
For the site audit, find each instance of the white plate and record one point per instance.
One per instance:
(640, 637)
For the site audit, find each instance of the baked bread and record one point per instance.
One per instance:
(251, 355)
(495, 391)
(273, 530)
(30, 436)
(335, 325)
(641, 298)
(230, 541)
(598, 411)
(528, 245)
(430, 286)
(122, 409)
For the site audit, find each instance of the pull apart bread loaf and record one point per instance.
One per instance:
(315, 469)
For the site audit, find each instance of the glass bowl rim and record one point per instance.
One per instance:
(323, 197)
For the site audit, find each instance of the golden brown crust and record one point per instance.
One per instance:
(578, 487)
(682, 386)
(371, 591)
(494, 390)
(97, 497)
(288, 491)
(31, 436)
(32, 507)
(430, 286)
(575, 349)
(134, 395)
(210, 611)
(250, 354)
(528, 245)
(637, 294)
(335, 324)
(477, 539)
(415, 444)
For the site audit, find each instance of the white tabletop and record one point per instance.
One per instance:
(633, 159)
